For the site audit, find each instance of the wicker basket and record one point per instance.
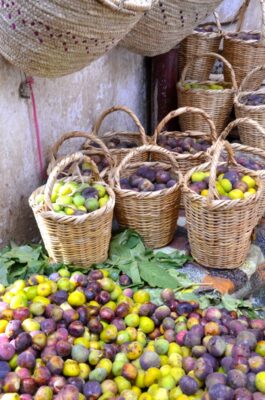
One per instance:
(51, 38)
(248, 135)
(185, 161)
(217, 104)
(199, 43)
(246, 55)
(220, 231)
(259, 154)
(137, 137)
(101, 150)
(81, 240)
(152, 214)
(166, 24)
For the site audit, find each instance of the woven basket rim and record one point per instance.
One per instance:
(207, 35)
(257, 43)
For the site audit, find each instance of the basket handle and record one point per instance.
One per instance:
(184, 110)
(242, 17)
(220, 144)
(139, 150)
(213, 55)
(75, 134)
(238, 121)
(250, 75)
(127, 111)
(68, 160)
(218, 22)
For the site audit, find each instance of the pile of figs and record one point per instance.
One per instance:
(183, 145)
(116, 143)
(245, 36)
(249, 161)
(253, 99)
(203, 86)
(230, 184)
(206, 28)
(149, 179)
(78, 337)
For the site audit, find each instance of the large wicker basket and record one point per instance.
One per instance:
(217, 104)
(220, 231)
(52, 38)
(241, 149)
(137, 137)
(77, 239)
(185, 161)
(152, 214)
(248, 135)
(166, 24)
(101, 150)
(200, 42)
(246, 55)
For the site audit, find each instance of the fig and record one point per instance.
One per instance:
(149, 359)
(216, 346)
(236, 379)
(28, 386)
(146, 186)
(220, 392)
(162, 177)
(188, 364)
(44, 393)
(92, 390)
(242, 394)
(256, 363)
(4, 369)
(63, 348)
(188, 385)
(57, 383)
(42, 375)
(55, 365)
(7, 351)
(79, 353)
(76, 329)
(214, 379)
(246, 338)
(11, 383)
(59, 297)
(26, 360)
(202, 368)
(125, 280)
(162, 312)
(22, 342)
(48, 326)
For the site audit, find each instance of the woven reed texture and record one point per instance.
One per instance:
(246, 55)
(217, 104)
(139, 137)
(81, 240)
(166, 24)
(249, 135)
(52, 38)
(185, 161)
(102, 150)
(220, 231)
(196, 44)
(152, 214)
(253, 151)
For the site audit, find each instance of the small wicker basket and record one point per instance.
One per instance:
(152, 214)
(185, 161)
(248, 135)
(77, 239)
(139, 138)
(220, 231)
(199, 43)
(245, 55)
(259, 154)
(101, 150)
(217, 104)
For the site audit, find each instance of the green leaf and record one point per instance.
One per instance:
(23, 254)
(131, 269)
(183, 281)
(3, 273)
(155, 276)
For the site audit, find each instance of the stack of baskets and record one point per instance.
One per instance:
(256, 111)
(217, 104)
(74, 239)
(199, 42)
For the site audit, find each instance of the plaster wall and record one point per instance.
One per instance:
(64, 104)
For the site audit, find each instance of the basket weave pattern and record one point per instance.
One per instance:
(248, 133)
(166, 24)
(152, 214)
(53, 38)
(81, 240)
(220, 231)
(216, 103)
